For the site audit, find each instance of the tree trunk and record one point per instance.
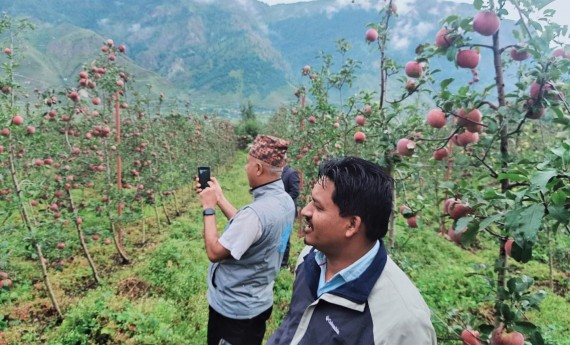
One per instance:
(82, 239)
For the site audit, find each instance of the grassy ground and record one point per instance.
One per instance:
(160, 298)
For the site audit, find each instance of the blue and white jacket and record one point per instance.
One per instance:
(382, 306)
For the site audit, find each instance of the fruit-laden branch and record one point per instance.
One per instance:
(493, 173)
(476, 45)
(465, 118)
(519, 126)
(492, 233)
(515, 46)
(383, 72)
(517, 184)
(489, 103)
(523, 23)
(445, 140)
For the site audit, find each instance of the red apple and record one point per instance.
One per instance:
(96, 101)
(413, 69)
(5, 283)
(5, 132)
(412, 222)
(468, 58)
(360, 120)
(534, 112)
(559, 52)
(122, 48)
(78, 221)
(60, 245)
(501, 337)
(95, 237)
(404, 209)
(306, 70)
(470, 337)
(519, 55)
(405, 147)
(458, 210)
(436, 118)
(312, 119)
(359, 137)
(34, 203)
(107, 241)
(440, 154)
(442, 38)
(471, 121)
(486, 23)
(367, 109)
(371, 35)
(547, 91)
(466, 138)
(3, 275)
(509, 246)
(7, 51)
(17, 120)
(1, 148)
(410, 86)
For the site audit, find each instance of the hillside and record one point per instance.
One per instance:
(218, 53)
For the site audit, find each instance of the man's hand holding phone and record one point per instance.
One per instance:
(208, 188)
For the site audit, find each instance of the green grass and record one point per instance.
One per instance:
(160, 298)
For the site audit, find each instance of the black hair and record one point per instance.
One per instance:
(362, 189)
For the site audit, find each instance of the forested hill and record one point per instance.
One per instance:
(217, 51)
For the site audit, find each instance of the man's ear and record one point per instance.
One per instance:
(259, 168)
(354, 227)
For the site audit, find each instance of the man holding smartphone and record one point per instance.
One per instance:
(246, 258)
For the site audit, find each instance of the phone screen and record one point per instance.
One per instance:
(203, 176)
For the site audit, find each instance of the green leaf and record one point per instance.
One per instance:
(525, 222)
(489, 220)
(559, 213)
(519, 285)
(533, 300)
(513, 176)
(559, 197)
(541, 179)
(525, 327)
(521, 253)
(444, 83)
(508, 315)
(478, 4)
(536, 338)
(462, 223)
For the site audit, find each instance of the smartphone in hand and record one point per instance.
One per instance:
(203, 176)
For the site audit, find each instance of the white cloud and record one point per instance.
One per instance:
(562, 7)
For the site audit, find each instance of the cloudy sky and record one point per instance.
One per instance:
(562, 7)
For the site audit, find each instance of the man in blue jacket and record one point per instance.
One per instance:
(292, 183)
(347, 290)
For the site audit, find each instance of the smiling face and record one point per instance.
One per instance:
(325, 229)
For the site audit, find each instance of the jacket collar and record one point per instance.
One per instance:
(264, 188)
(356, 290)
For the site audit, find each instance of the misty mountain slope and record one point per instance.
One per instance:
(224, 52)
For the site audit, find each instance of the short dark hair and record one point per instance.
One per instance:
(362, 189)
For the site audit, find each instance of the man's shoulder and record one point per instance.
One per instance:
(404, 295)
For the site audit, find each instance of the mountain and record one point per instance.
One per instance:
(218, 52)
